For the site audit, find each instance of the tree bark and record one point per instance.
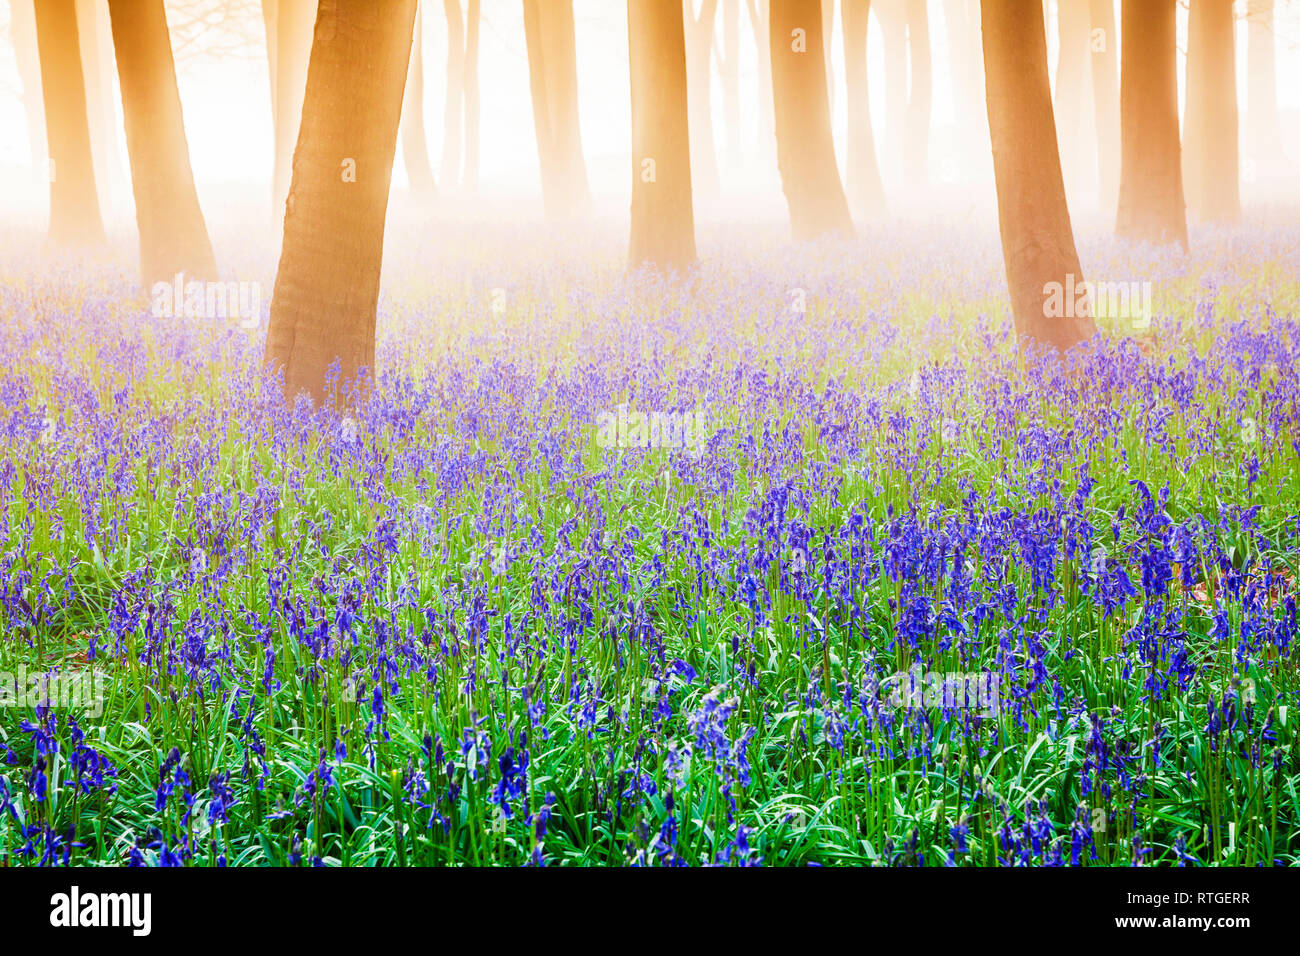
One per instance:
(74, 202)
(805, 149)
(699, 87)
(289, 26)
(553, 82)
(1210, 123)
(1151, 205)
(1034, 220)
(173, 235)
(453, 115)
(866, 194)
(322, 331)
(1263, 129)
(663, 219)
(1104, 47)
(415, 144)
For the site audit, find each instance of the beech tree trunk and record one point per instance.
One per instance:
(663, 219)
(473, 17)
(865, 192)
(322, 331)
(759, 21)
(415, 144)
(74, 202)
(289, 25)
(699, 87)
(1037, 240)
(1263, 129)
(173, 235)
(961, 20)
(892, 17)
(805, 150)
(1151, 205)
(1210, 122)
(1103, 45)
(916, 150)
(22, 31)
(1074, 29)
(101, 101)
(453, 116)
(729, 68)
(553, 82)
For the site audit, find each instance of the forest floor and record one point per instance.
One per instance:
(875, 589)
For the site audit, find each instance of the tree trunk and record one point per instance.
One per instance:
(74, 202)
(663, 219)
(22, 31)
(415, 144)
(699, 87)
(729, 68)
(805, 150)
(289, 26)
(961, 20)
(473, 17)
(1074, 29)
(1263, 129)
(917, 148)
(866, 194)
(327, 286)
(891, 15)
(1151, 178)
(101, 103)
(1037, 240)
(453, 116)
(553, 82)
(758, 20)
(173, 236)
(1104, 46)
(1210, 122)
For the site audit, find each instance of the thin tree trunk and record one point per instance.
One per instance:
(1210, 123)
(173, 235)
(289, 37)
(866, 194)
(22, 31)
(1104, 46)
(892, 17)
(1151, 178)
(453, 116)
(1037, 240)
(74, 202)
(101, 103)
(699, 49)
(758, 20)
(961, 20)
(415, 144)
(553, 82)
(663, 219)
(322, 331)
(473, 17)
(805, 150)
(917, 148)
(1073, 23)
(729, 68)
(1263, 128)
